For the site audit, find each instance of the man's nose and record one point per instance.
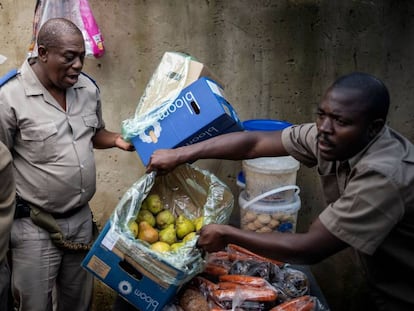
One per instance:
(325, 125)
(78, 62)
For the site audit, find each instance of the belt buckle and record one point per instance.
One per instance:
(22, 210)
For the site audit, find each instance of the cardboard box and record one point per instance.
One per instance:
(199, 112)
(197, 70)
(146, 278)
(137, 285)
(174, 72)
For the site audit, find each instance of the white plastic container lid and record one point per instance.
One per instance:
(272, 165)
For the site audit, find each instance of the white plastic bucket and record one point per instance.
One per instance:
(265, 174)
(264, 216)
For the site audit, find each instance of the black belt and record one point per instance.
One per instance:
(23, 210)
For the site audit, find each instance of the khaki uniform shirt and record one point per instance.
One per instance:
(370, 206)
(7, 195)
(52, 148)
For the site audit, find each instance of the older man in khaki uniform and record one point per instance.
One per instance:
(50, 116)
(7, 204)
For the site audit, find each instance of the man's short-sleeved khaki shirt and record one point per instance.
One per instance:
(7, 195)
(52, 148)
(370, 203)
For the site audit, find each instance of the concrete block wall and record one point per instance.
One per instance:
(276, 58)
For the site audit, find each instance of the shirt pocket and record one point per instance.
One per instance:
(91, 120)
(40, 142)
(330, 187)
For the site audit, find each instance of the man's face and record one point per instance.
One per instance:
(343, 127)
(65, 62)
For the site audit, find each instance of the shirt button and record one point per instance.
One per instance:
(82, 190)
(82, 166)
(74, 142)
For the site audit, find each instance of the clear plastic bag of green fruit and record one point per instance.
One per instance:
(159, 218)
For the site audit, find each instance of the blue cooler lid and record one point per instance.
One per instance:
(241, 179)
(265, 125)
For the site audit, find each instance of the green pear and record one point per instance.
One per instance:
(154, 204)
(168, 235)
(147, 216)
(160, 246)
(144, 205)
(133, 226)
(183, 226)
(164, 218)
(174, 247)
(189, 236)
(198, 223)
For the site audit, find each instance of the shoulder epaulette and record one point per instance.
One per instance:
(8, 76)
(90, 78)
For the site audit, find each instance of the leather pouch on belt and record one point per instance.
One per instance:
(48, 222)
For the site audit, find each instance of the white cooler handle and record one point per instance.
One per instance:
(270, 192)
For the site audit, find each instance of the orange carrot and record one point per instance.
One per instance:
(215, 269)
(246, 293)
(235, 252)
(303, 303)
(243, 279)
(232, 285)
(222, 255)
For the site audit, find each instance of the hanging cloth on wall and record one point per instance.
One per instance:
(79, 12)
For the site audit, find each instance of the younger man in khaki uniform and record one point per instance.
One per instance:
(367, 174)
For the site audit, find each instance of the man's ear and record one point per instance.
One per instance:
(375, 127)
(42, 53)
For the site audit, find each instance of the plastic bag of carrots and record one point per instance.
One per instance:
(237, 279)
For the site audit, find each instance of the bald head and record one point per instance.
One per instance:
(54, 29)
(61, 53)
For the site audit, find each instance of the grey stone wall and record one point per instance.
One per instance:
(276, 58)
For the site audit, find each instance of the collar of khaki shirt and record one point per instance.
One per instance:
(354, 160)
(31, 82)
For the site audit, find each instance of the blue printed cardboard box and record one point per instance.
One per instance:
(199, 112)
(133, 282)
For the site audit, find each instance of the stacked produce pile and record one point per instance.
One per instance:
(237, 279)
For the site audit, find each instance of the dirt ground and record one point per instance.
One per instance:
(103, 297)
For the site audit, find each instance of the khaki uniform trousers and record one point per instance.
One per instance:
(5, 299)
(39, 266)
